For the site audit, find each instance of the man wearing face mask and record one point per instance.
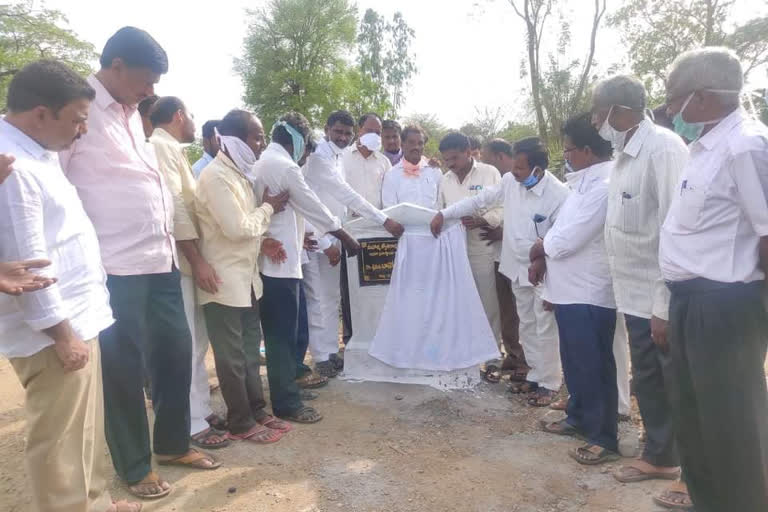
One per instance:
(365, 165)
(531, 197)
(278, 170)
(325, 176)
(714, 256)
(647, 166)
(578, 283)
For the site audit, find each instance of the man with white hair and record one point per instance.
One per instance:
(714, 256)
(648, 162)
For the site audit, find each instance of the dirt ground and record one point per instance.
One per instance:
(381, 447)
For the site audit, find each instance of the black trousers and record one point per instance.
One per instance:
(718, 335)
(235, 335)
(149, 320)
(346, 312)
(586, 352)
(649, 365)
(280, 320)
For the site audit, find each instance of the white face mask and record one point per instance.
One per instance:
(372, 141)
(615, 137)
(239, 152)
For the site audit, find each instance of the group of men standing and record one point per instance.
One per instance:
(151, 259)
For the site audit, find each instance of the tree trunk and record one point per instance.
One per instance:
(709, 30)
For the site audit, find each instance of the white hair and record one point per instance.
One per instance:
(623, 90)
(713, 68)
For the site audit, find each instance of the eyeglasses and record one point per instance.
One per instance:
(568, 150)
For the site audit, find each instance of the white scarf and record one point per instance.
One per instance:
(239, 152)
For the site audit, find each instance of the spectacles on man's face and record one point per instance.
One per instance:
(568, 150)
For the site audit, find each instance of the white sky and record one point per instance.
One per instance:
(467, 56)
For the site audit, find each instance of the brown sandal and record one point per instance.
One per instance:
(676, 497)
(588, 456)
(152, 479)
(192, 459)
(632, 472)
(519, 388)
(312, 381)
(542, 397)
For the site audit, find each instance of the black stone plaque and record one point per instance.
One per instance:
(376, 260)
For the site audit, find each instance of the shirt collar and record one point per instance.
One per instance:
(160, 133)
(721, 129)
(636, 142)
(274, 147)
(104, 100)
(578, 179)
(540, 186)
(25, 142)
(455, 176)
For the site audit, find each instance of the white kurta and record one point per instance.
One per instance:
(433, 318)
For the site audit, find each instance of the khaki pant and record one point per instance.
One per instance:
(65, 454)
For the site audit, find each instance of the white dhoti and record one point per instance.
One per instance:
(433, 318)
(484, 273)
(322, 288)
(539, 337)
(621, 354)
(199, 391)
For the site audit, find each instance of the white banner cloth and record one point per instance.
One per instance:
(433, 318)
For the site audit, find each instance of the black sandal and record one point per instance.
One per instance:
(542, 397)
(491, 374)
(584, 455)
(201, 439)
(306, 415)
(526, 386)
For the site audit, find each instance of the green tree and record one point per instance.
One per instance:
(28, 33)
(294, 58)
(657, 31)
(385, 57)
(559, 84)
(434, 129)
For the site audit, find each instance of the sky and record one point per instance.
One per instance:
(468, 52)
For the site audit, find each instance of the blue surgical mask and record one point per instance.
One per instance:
(531, 180)
(296, 139)
(692, 131)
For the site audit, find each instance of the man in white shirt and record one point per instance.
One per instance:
(647, 165)
(325, 176)
(210, 147)
(714, 256)
(364, 165)
(578, 284)
(278, 170)
(413, 180)
(467, 177)
(173, 125)
(531, 197)
(51, 335)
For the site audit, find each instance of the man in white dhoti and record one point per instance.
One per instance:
(531, 196)
(467, 177)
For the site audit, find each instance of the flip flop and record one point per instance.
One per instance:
(305, 415)
(561, 428)
(200, 439)
(630, 474)
(275, 424)
(192, 459)
(666, 500)
(258, 434)
(152, 478)
(583, 453)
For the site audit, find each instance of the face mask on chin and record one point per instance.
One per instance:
(692, 131)
(610, 134)
(532, 180)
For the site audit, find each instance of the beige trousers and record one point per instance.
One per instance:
(484, 272)
(65, 454)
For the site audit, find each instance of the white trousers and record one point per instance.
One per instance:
(323, 292)
(484, 273)
(539, 337)
(199, 392)
(621, 354)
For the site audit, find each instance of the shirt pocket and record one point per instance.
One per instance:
(690, 204)
(630, 211)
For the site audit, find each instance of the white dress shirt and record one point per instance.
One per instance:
(720, 210)
(577, 266)
(521, 205)
(41, 216)
(644, 180)
(325, 177)
(277, 170)
(365, 175)
(421, 190)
